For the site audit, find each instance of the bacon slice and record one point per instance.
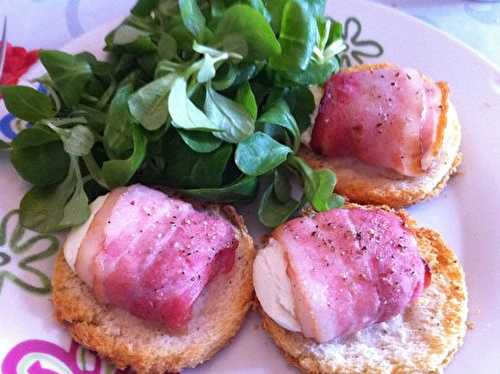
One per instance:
(152, 254)
(349, 269)
(383, 115)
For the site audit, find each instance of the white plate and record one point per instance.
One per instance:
(465, 213)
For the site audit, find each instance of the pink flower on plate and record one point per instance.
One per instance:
(43, 357)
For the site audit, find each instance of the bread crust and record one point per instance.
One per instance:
(360, 185)
(128, 341)
(365, 184)
(421, 340)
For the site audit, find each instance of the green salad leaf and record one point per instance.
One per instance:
(189, 169)
(246, 98)
(318, 185)
(259, 5)
(78, 140)
(185, 114)
(27, 103)
(260, 154)
(48, 209)
(243, 189)
(70, 74)
(119, 172)
(300, 100)
(322, 198)
(193, 18)
(245, 31)
(315, 8)
(148, 105)
(235, 123)
(272, 212)
(133, 39)
(38, 156)
(199, 141)
(117, 139)
(282, 184)
(297, 38)
(279, 114)
(167, 47)
(143, 8)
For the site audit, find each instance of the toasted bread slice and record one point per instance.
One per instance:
(366, 184)
(128, 341)
(421, 340)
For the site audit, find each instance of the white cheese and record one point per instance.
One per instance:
(273, 287)
(76, 235)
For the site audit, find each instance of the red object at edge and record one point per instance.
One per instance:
(17, 62)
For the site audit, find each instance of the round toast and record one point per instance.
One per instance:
(421, 340)
(366, 184)
(128, 341)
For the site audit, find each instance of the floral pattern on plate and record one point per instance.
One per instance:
(22, 249)
(43, 357)
(358, 50)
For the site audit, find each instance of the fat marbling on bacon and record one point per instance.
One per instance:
(350, 268)
(384, 115)
(153, 254)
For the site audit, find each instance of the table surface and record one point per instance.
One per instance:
(52, 23)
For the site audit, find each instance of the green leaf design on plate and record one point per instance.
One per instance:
(358, 49)
(21, 249)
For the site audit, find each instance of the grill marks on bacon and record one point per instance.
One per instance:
(385, 116)
(349, 269)
(156, 254)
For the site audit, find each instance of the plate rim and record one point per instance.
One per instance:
(73, 44)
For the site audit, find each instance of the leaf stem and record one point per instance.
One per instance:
(55, 97)
(94, 170)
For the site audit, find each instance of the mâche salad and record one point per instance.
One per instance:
(207, 97)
